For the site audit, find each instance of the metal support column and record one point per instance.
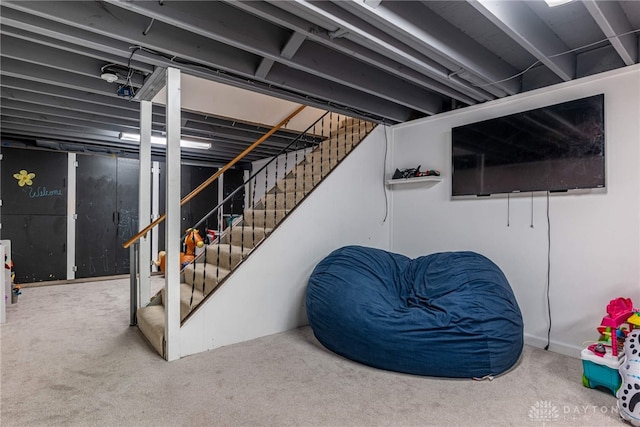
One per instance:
(144, 203)
(172, 209)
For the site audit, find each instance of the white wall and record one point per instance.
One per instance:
(595, 238)
(266, 294)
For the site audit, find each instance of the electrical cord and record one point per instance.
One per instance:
(548, 274)
(531, 210)
(384, 177)
(131, 71)
(539, 61)
(174, 58)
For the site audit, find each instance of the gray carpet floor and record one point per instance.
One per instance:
(69, 358)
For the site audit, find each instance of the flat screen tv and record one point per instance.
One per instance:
(555, 148)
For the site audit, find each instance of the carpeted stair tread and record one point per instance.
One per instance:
(317, 168)
(322, 156)
(246, 236)
(339, 145)
(225, 255)
(185, 299)
(267, 218)
(151, 324)
(331, 151)
(213, 273)
(189, 298)
(281, 200)
(347, 139)
(359, 129)
(299, 183)
(312, 169)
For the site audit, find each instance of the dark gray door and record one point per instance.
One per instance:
(97, 216)
(127, 213)
(107, 208)
(34, 212)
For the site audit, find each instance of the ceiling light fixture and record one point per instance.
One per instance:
(160, 140)
(554, 3)
(109, 77)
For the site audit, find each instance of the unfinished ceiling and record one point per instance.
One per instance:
(387, 61)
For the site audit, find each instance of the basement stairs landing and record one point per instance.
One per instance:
(199, 280)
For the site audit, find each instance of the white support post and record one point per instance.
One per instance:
(71, 216)
(4, 298)
(144, 203)
(155, 209)
(172, 209)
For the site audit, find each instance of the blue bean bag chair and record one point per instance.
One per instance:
(449, 314)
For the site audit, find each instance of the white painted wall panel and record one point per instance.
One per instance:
(595, 238)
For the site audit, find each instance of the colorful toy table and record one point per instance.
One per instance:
(601, 371)
(601, 361)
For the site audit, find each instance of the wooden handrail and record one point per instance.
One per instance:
(213, 177)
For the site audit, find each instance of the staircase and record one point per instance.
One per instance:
(200, 279)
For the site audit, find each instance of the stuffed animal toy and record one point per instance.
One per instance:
(192, 241)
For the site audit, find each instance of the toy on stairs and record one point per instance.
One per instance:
(193, 243)
(211, 235)
(602, 360)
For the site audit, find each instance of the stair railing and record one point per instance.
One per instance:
(134, 275)
(304, 141)
(293, 146)
(303, 168)
(213, 177)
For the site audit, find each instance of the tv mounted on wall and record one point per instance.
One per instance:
(555, 148)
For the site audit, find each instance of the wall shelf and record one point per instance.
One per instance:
(432, 179)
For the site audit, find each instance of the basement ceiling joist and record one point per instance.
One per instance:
(611, 18)
(529, 31)
(384, 60)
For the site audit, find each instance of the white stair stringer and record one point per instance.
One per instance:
(247, 236)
